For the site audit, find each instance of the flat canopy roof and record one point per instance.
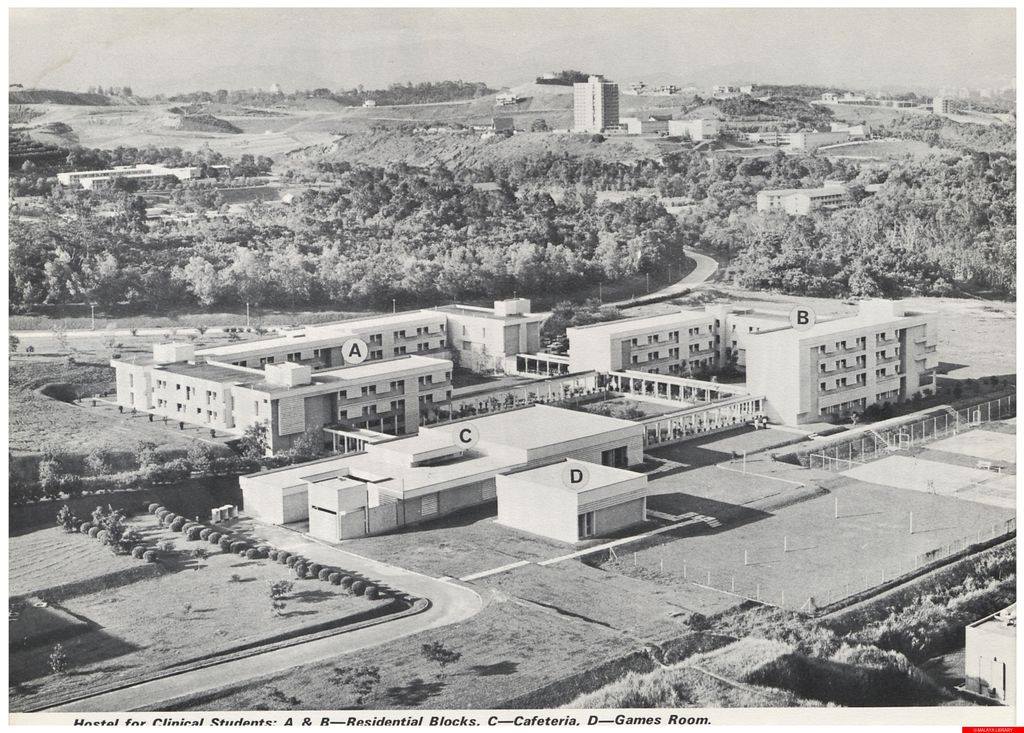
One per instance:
(600, 476)
(539, 425)
(212, 372)
(464, 310)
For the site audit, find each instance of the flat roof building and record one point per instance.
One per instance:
(142, 173)
(990, 668)
(579, 500)
(696, 130)
(883, 354)
(441, 470)
(801, 201)
(595, 105)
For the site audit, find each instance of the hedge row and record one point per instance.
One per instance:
(139, 552)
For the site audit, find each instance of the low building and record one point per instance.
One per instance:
(883, 354)
(942, 105)
(369, 103)
(830, 98)
(140, 174)
(856, 132)
(579, 500)
(506, 98)
(811, 141)
(441, 470)
(696, 130)
(288, 398)
(801, 201)
(652, 125)
(990, 669)
(503, 125)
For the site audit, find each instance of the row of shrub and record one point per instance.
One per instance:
(304, 569)
(137, 550)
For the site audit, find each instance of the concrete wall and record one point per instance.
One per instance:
(988, 656)
(619, 516)
(536, 508)
(272, 504)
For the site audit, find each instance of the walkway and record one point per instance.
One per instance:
(451, 604)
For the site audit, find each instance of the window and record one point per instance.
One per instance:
(264, 360)
(131, 380)
(377, 354)
(399, 350)
(294, 356)
(428, 505)
(823, 387)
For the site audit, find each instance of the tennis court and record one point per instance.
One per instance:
(984, 444)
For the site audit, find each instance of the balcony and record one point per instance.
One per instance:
(843, 370)
(844, 388)
(887, 360)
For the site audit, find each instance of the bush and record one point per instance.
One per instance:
(347, 581)
(160, 508)
(160, 514)
(272, 553)
(138, 551)
(204, 533)
(153, 507)
(93, 531)
(334, 578)
(359, 587)
(252, 554)
(263, 551)
(85, 527)
(291, 560)
(238, 547)
(149, 556)
(214, 538)
(324, 573)
(225, 543)
(282, 557)
(372, 592)
(194, 532)
(169, 519)
(177, 524)
(314, 569)
(300, 569)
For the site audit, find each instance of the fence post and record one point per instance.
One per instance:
(732, 586)
(684, 571)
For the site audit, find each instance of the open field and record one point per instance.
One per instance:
(189, 609)
(502, 657)
(802, 550)
(981, 443)
(882, 149)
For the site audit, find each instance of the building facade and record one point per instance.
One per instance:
(488, 339)
(990, 668)
(883, 354)
(801, 201)
(696, 130)
(595, 105)
(142, 174)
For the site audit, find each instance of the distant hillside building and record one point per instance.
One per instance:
(141, 174)
(800, 201)
(856, 132)
(595, 105)
(506, 98)
(651, 125)
(942, 105)
(369, 103)
(696, 130)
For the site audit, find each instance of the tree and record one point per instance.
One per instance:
(13, 342)
(66, 519)
(99, 461)
(58, 659)
(254, 443)
(308, 446)
(435, 651)
(145, 453)
(362, 680)
(199, 554)
(540, 125)
(199, 456)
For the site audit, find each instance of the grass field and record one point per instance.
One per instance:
(794, 552)
(885, 149)
(507, 650)
(945, 479)
(188, 610)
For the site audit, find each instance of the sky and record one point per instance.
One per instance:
(170, 50)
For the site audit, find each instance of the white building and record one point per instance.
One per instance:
(369, 103)
(942, 105)
(801, 201)
(488, 339)
(650, 125)
(811, 141)
(441, 470)
(579, 500)
(856, 132)
(695, 130)
(883, 354)
(140, 173)
(990, 668)
(595, 105)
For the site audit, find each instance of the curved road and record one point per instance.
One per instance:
(706, 267)
(451, 603)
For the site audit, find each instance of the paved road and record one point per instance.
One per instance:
(706, 267)
(451, 603)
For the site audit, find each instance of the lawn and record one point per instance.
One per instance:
(467, 542)
(503, 657)
(724, 446)
(187, 610)
(630, 409)
(792, 552)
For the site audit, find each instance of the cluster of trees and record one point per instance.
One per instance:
(942, 131)
(794, 109)
(111, 91)
(420, 236)
(408, 93)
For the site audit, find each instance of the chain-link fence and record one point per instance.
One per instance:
(873, 443)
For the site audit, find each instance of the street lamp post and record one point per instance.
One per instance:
(92, 315)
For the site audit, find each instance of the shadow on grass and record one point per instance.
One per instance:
(312, 596)
(415, 693)
(499, 668)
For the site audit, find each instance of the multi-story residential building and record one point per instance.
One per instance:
(695, 130)
(674, 343)
(884, 353)
(142, 174)
(480, 338)
(486, 339)
(801, 201)
(595, 105)
(291, 399)
(942, 105)
(990, 668)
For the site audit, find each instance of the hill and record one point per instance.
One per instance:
(55, 96)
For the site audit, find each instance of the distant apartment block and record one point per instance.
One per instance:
(141, 174)
(942, 105)
(696, 130)
(289, 398)
(801, 201)
(884, 353)
(990, 669)
(595, 105)
(650, 125)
